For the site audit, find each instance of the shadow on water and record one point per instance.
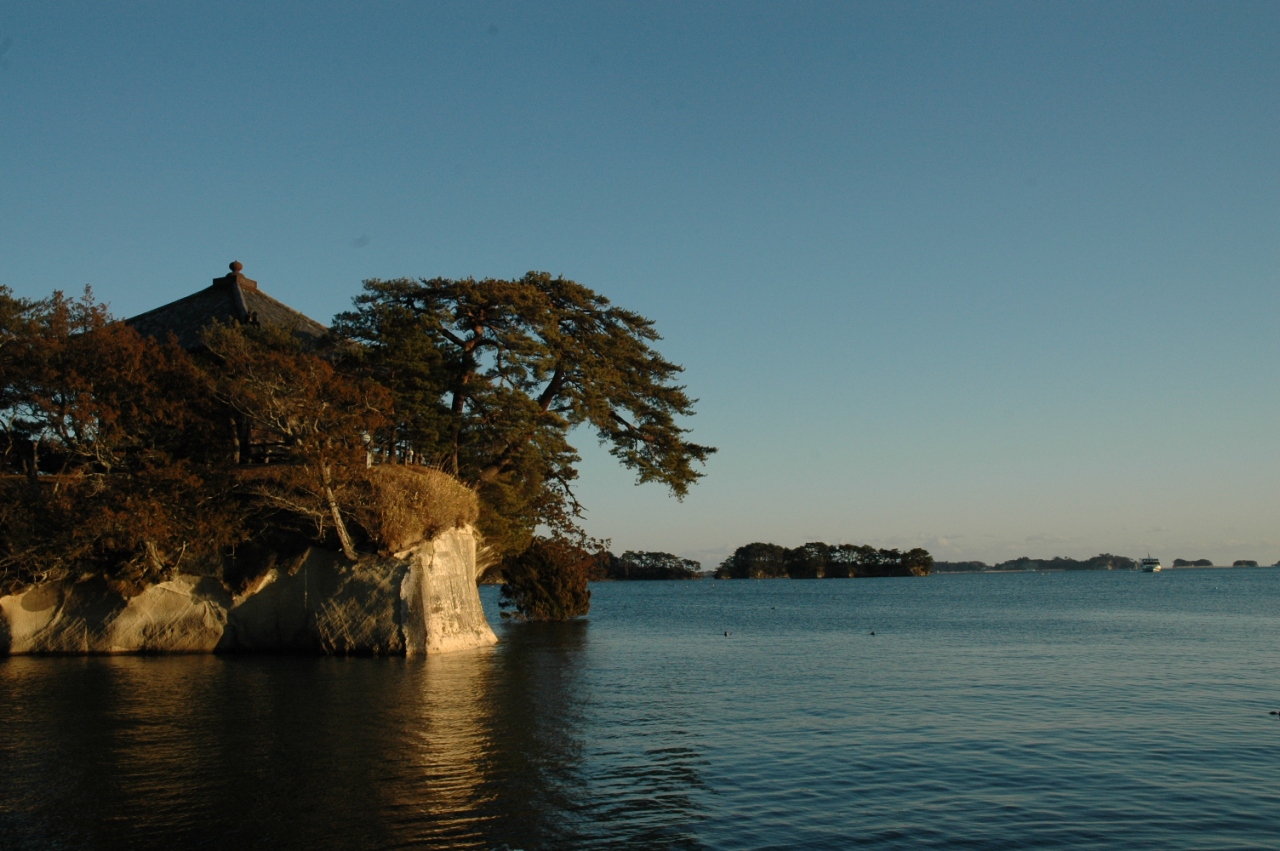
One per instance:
(616, 767)
(466, 750)
(538, 709)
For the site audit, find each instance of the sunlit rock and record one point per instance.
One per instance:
(423, 600)
(184, 615)
(439, 602)
(61, 617)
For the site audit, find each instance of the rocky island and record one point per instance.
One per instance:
(285, 537)
(225, 474)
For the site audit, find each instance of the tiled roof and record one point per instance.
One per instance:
(232, 298)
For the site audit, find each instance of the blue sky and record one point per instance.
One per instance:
(990, 278)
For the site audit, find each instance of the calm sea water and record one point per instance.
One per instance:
(1093, 710)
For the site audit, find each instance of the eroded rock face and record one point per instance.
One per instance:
(422, 601)
(185, 615)
(440, 602)
(327, 605)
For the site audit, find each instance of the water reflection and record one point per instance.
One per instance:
(467, 750)
(441, 799)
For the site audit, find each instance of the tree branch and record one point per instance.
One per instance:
(452, 337)
(635, 432)
(553, 388)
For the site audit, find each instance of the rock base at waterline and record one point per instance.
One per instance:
(423, 600)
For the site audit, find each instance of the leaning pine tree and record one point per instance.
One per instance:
(490, 377)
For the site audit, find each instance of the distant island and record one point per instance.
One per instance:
(634, 565)
(758, 560)
(822, 561)
(826, 561)
(1102, 561)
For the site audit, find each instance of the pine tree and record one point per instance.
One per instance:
(490, 377)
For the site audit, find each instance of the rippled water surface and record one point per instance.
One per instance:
(1099, 710)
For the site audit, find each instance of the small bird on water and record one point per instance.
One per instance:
(873, 632)
(726, 634)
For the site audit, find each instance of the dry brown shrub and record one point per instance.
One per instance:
(395, 505)
(412, 503)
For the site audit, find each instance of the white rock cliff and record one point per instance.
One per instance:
(423, 600)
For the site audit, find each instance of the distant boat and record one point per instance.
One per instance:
(1150, 565)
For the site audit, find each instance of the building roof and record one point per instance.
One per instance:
(232, 298)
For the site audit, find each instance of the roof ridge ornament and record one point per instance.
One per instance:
(236, 277)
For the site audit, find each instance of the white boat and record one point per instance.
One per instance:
(1150, 565)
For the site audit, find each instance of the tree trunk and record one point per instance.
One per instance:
(33, 472)
(348, 548)
(243, 449)
(157, 563)
(458, 404)
(545, 400)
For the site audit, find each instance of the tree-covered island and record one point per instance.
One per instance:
(222, 432)
(822, 561)
(755, 561)
(634, 565)
(1103, 561)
